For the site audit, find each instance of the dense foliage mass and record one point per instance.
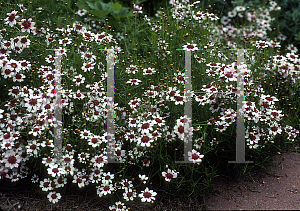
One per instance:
(151, 126)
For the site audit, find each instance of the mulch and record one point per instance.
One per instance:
(277, 188)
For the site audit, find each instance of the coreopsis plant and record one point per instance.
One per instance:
(150, 123)
(170, 174)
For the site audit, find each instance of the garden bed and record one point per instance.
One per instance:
(179, 86)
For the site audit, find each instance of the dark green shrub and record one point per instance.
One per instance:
(289, 20)
(113, 12)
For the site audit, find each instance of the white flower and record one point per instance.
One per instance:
(282, 37)
(79, 180)
(85, 134)
(261, 44)
(95, 141)
(11, 159)
(48, 161)
(33, 104)
(11, 19)
(132, 69)
(1, 111)
(191, 47)
(146, 126)
(112, 208)
(232, 14)
(195, 156)
(81, 12)
(126, 184)
(14, 176)
(87, 66)
(98, 161)
(54, 197)
(145, 139)
(146, 162)
(65, 41)
(22, 8)
(19, 77)
(54, 171)
(120, 206)
(79, 79)
(169, 174)
(39, 10)
(33, 147)
(46, 184)
(240, 8)
(143, 178)
(134, 81)
(35, 178)
(107, 178)
(184, 119)
(129, 195)
(147, 195)
(273, 3)
(225, 20)
(104, 189)
(27, 25)
(137, 9)
(83, 157)
(292, 48)
(148, 71)
(241, 15)
(184, 131)
(213, 17)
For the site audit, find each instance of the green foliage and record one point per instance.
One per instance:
(216, 5)
(114, 12)
(289, 20)
(140, 47)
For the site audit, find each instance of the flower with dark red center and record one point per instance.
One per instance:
(11, 19)
(147, 195)
(191, 47)
(27, 25)
(195, 156)
(12, 160)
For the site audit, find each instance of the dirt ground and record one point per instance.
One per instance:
(277, 188)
